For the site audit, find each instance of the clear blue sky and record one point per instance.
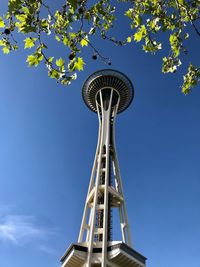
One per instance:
(47, 144)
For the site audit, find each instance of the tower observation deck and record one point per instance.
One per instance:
(106, 92)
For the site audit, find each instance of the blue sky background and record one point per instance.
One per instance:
(47, 144)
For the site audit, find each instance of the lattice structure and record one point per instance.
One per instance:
(106, 92)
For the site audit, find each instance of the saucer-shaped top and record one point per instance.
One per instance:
(104, 79)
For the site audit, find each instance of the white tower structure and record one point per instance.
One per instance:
(106, 92)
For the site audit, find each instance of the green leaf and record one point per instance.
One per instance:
(140, 34)
(44, 23)
(21, 17)
(129, 13)
(66, 81)
(151, 45)
(14, 5)
(50, 59)
(73, 4)
(129, 39)
(175, 42)
(60, 62)
(24, 24)
(154, 26)
(181, 2)
(15, 47)
(2, 24)
(137, 20)
(65, 41)
(84, 42)
(191, 79)
(79, 64)
(35, 59)
(32, 60)
(6, 50)
(29, 42)
(57, 38)
(25, 10)
(54, 74)
(2, 42)
(170, 64)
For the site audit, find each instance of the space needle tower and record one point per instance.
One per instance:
(106, 92)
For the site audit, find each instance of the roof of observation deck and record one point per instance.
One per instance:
(108, 78)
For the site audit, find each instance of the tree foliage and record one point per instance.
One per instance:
(75, 22)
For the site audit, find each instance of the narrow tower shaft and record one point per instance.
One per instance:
(105, 189)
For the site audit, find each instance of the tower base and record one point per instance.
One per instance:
(119, 255)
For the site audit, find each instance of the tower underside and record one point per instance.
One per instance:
(119, 255)
(106, 92)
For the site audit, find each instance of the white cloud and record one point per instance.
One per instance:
(20, 229)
